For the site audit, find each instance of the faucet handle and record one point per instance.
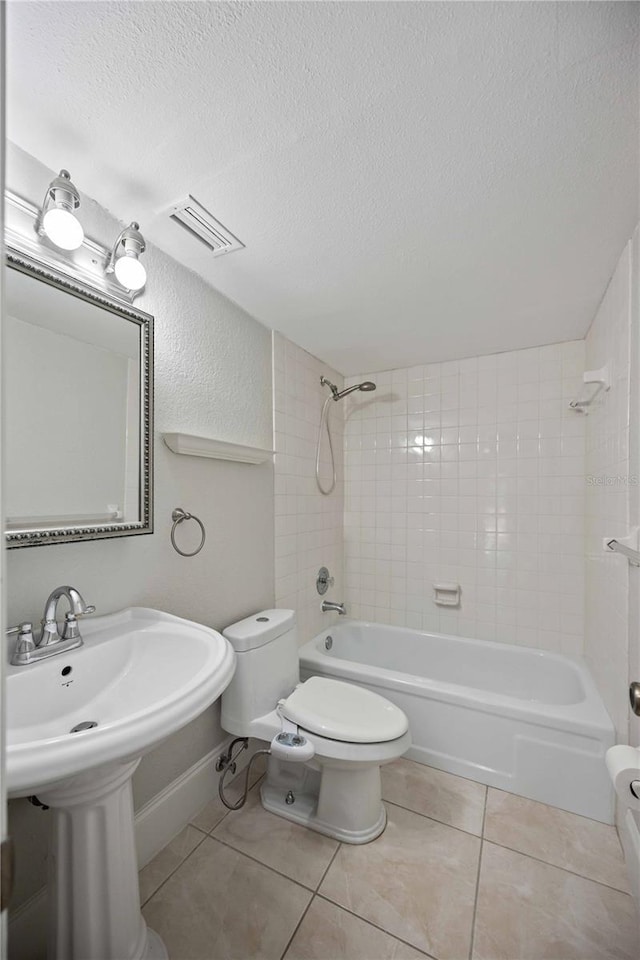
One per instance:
(89, 608)
(25, 627)
(25, 644)
(70, 629)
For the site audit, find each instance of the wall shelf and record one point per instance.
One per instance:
(193, 446)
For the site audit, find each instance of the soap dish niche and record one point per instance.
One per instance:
(446, 594)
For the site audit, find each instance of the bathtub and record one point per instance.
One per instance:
(516, 718)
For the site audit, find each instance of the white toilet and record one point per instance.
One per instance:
(338, 733)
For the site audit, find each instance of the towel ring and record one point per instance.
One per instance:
(178, 516)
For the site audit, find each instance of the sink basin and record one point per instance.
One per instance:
(140, 676)
(77, 726)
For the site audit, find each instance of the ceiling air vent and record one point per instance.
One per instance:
(193, 217)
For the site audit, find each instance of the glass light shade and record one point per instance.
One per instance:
(63, 228)
(130, 272)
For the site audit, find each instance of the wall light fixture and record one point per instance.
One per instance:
(57, 217)
(124, 260)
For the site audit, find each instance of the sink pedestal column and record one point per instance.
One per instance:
(93, 873)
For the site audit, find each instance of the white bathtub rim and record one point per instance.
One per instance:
(577, 662)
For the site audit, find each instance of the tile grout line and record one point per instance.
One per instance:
(297, 927)
(443, 823)
(335, 854)
(372, 923)
(477, 890)
(260, 863)
(184, 860)
(313, 896)
(555, 866)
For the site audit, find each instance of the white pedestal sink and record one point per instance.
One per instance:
(140, 676)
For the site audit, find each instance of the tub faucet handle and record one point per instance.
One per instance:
(324, 580)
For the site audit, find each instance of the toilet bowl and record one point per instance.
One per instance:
(350, 731)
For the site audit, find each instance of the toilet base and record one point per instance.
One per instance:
(338, 799)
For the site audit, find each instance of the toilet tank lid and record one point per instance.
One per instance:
(259, 628)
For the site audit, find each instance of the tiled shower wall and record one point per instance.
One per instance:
(308, 525)
(470, 472)
(609, 485)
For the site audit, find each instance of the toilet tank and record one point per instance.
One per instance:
(267, 667)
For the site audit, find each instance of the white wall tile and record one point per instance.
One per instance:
(483, 475)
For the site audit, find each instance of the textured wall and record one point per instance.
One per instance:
(610, 486)
(309, 526)
(213, 376)
(471, 471)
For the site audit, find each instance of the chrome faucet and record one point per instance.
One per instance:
(51, 640)
(328, 606)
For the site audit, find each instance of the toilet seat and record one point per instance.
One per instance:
(343, 712)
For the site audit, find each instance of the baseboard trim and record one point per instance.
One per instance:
(156, 823)
(166, 814)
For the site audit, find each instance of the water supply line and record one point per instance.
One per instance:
(227, 764)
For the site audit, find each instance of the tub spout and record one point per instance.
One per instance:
(328, 606)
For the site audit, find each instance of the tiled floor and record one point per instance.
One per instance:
(461, 872)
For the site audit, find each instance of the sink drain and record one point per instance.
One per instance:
(85, 725)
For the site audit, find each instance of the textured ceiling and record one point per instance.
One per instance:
(412, 181)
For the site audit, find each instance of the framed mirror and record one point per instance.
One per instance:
(78, 427)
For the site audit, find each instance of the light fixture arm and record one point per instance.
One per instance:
(131, 241)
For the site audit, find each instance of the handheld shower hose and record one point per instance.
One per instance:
(336, 394)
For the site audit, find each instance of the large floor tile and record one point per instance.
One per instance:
(165, 862)
(330, 933)
(435, 793)
(564, 839)
(533, 911)
(297, 852)
(220, 905)
(417, 881)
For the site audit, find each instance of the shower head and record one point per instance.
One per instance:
(366, 386)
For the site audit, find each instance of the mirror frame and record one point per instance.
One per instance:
(44, 271)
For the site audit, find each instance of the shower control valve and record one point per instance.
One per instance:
(324, 581)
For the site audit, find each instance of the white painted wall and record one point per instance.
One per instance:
(470, 471)
(212, 377)
(309, 525)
